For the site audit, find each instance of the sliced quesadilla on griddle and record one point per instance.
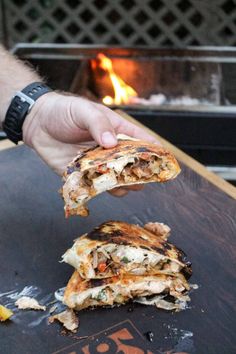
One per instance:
(118, 248)
(97, 170)
(165, 291)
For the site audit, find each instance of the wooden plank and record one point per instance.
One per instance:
(187, 160)
(6, 144)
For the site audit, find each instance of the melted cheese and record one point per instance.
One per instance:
(131, 259)
(136, 255)
(125, 290)
(163, 304)
(174, 267)
(119, 164)
(104, 182)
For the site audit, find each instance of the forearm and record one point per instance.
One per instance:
(14, 76)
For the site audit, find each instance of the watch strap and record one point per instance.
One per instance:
(19, 107)
(35, 90)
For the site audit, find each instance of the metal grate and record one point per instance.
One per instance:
(124, 22)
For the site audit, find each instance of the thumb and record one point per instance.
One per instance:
(108, 139)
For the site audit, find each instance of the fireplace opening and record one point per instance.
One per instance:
(149, 82)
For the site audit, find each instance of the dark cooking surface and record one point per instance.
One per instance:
(34, 234)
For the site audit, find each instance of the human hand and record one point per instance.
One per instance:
(59, 124)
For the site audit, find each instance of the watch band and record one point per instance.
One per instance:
(20, 106)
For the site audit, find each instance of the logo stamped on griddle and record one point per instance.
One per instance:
(122, 338)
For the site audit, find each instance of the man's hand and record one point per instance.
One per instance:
(59, 124)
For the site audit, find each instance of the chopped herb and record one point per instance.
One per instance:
(125, 260)
(101, 295)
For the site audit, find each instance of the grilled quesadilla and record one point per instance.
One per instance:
(165, 291)
(97, 170)
(117, 248)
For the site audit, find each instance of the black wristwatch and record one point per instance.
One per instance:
(20, 106)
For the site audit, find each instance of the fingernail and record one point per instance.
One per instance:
(108, 139)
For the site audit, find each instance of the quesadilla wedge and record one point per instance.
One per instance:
(97, 170)
(165, 291)
(116, 248)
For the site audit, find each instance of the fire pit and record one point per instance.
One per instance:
(146, 80)
(186, 95)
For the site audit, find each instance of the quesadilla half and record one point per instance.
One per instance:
(97, 170)
(165, 291)
(118, 248)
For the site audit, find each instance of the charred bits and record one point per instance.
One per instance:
(97, 234)
(142, 149)
(70, 169)
(150, 336)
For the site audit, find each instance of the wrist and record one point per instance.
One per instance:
(35, 119)
(20, 106)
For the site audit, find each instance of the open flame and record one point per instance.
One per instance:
(123, 93)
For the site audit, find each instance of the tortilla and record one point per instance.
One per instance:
(167, 292)
(97, 170)
(116, 247)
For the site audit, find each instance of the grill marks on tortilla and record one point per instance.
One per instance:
(97, 170)
(122, 233)
(117, 247)
(118, 261)
(102, 236)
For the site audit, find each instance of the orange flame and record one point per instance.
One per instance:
(122, 91)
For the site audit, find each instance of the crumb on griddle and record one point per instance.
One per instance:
(28, 303)
(68, 319)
